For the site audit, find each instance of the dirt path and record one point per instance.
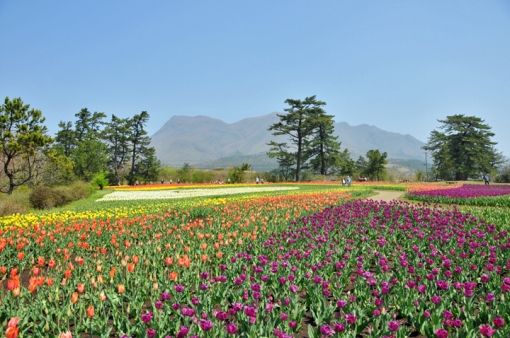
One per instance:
(386, 195)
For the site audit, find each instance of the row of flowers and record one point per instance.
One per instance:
(267, 266)
(188, 193)
(128, 208)
(467, 194)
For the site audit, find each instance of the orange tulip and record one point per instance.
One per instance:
(74, 297)
(20, 257)
(32, 287)
(204, 246)
(219, 254)
(12, 332)
(173, 275)
(204, 258)
(13, 322)
(51, 264)
(40, 261)
(112, 271)
(81, 287)
(121, 289)
(90, 311)
(3, 270)
(131, 267)
(102, 296)
(36, 270)
(66, 335)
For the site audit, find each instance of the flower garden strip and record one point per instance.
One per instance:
(188, 193)
(467, 194)
(126, 208)
(269, 266)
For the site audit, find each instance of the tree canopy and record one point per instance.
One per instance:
(22, 139)
(297, 124)
(462, 148)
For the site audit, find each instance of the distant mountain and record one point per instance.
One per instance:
(204, 140)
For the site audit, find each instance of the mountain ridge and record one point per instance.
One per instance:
(200, 139)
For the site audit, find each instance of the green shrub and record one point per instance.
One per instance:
(63, 195)
(8, 207)
(43, 197)
(81, 190)
(100, 180)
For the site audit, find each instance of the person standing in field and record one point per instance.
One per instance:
(343, 181)
(486, 179)
(348, 180)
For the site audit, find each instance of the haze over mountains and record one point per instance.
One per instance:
(199, 140)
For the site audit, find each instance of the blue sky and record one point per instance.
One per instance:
(398, 65)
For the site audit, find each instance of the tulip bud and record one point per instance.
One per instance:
(16, 292)
(102, 296)
(90, 311)
(155, 286)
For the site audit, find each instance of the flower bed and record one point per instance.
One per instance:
(188, 193)
(247, 268)
(467, 194)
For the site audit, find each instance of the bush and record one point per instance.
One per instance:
(100, 180)
(11, 207)
(43, 198)
(81, 190)
(63, 196)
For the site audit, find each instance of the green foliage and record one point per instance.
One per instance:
(245, 166)
(57, 169)
(147, 169)
(100, 180)
(22, 138)
(202, 176)
(81, 190)
(139, 142)
(298, 124)
(504, 174)
(236, 175)
(323, 149)
(346, 164)
(464, 149)
(116, 135)
(420, 175)
(361, 166)
(44, 197)
(12, 207)
(375, 168)
(89, 158)
(185, 174)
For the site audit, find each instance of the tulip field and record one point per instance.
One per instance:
(289, 260)
(467, 194)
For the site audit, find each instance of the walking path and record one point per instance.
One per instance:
(387, 196)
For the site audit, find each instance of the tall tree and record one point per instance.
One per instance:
(65, 139)
(376, 164)
(22, 138)
(117, 136)
(347, 164)
(323, 148)
(463, 149)
(148, 167)
(88, 123)
(361, 165)
(89, 158)
(297, 124)
(139, 141)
